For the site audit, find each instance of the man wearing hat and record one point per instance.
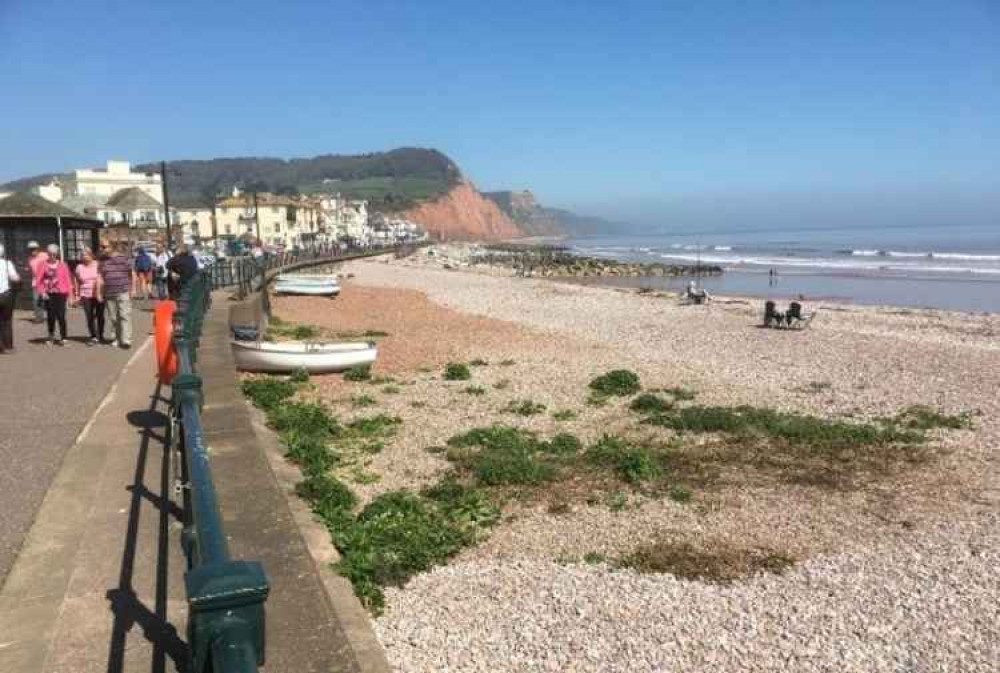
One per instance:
(36, 262)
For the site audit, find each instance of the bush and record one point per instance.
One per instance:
(474, 390)
(648, 403)
(457, 371)
(637, 465)
(478, 362)
(268, 392)
(564, 415)
(619, 383)
(363, 373)
(363, 401)
(299, 376)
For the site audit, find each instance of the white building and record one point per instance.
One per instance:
(117, 176)
(345, 218)
(53, 191)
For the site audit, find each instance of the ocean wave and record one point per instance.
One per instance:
(921, 255)
(830, 264)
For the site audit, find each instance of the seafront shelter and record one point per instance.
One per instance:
(26, 217)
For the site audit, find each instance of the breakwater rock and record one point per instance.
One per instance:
(553, 261)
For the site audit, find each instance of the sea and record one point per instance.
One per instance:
(941, 267)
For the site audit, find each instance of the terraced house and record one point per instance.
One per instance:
(276, 220)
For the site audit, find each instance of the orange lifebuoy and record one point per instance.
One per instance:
(163, 332)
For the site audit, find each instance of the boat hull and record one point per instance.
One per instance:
(311, 289)
(315, 358)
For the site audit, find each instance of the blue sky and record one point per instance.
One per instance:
(640, 110)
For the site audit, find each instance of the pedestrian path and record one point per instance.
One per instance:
(48, 394)
(98, 585)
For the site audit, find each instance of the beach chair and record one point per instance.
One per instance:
(772, 316)
(794, 313)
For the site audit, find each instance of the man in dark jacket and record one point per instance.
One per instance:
(182, 267)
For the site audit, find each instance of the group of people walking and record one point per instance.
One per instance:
(102, 283)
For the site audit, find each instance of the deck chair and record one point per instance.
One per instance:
(772, 317)
(795, 318)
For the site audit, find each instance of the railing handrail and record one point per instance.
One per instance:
(225, 597)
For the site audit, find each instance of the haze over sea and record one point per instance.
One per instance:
(953, 268)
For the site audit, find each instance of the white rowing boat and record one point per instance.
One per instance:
(307, 279)
(316, 357)
(283, 286)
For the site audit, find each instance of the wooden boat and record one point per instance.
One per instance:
(316, 357)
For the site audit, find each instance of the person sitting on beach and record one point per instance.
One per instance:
(696, 295)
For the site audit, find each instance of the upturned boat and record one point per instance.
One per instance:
(326, 287)
(316, 357)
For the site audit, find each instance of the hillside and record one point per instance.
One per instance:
(537, 220)
(391, 181)
(423, 185)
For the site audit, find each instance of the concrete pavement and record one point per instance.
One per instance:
(47, 395)
(98, 584)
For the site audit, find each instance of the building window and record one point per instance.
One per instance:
(229, 229)
(277, 228)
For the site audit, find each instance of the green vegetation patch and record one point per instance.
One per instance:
(797, 430)
(268, 392)
(678, 393)
(525, 408)
(380, 425)
(648, 403)
(457, 371)
(920, 417)
(358, 374)
(474, 390)
(564, 415)
(398, 535)
(616, 383)
(364, 401)
(720, 563)
(504, 456)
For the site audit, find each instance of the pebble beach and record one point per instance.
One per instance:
(894, 574)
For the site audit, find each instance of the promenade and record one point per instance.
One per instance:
(94, 566)
(47, 397)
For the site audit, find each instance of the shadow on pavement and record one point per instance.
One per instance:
(128, 609)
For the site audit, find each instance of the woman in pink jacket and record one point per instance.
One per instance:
(55, 286)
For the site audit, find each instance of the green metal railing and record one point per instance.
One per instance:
(225, 597)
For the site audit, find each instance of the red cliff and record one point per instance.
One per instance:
(463, 213)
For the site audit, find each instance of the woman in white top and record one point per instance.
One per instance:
(8, 276)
